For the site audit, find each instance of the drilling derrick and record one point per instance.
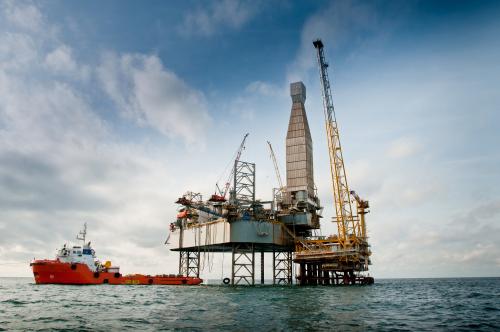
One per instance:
(340, 258)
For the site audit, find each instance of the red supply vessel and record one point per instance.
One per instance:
(78, 265)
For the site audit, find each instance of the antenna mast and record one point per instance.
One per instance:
(82, 234)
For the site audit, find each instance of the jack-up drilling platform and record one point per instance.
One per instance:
(285, 226)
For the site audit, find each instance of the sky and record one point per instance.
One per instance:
(111, 110)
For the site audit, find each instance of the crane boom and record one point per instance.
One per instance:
(273, 157)
(348, 253)
(238, 155)
(220, 195)
(347, 224)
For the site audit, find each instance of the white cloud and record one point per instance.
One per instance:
(336, 25)
(17, 50)
(265, 89)
(471, 254)
(257, 96)
(152, 95)
(23, 16)
(219, 15)
(62, 163)
(61, 61)
(403, 148)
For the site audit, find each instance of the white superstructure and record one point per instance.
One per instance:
(79, 254)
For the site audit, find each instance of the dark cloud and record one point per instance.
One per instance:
(31, 182)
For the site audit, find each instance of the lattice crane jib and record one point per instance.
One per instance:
(348, 225)
(238, 155)
(276, 168)
(222, 192)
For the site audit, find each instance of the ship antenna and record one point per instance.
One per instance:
(82, 234)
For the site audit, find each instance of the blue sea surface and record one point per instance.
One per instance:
(462, 304)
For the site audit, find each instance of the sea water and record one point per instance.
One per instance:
(388, 305)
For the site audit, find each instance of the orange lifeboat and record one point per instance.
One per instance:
(182, 214)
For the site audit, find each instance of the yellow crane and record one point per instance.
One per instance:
(362, 209)
(349, 228)
(339, 258)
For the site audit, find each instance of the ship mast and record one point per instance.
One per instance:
(81, 235)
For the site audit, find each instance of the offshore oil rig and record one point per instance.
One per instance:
(233, 220)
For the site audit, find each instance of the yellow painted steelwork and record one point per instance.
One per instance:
(349, 249)
(346, 222)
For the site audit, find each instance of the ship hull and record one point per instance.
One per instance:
(56, 272)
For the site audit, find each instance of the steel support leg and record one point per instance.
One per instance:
(182, 263)
(262, 268)
(302, 274)
(189, 263)
(282, 268)
(243, 264)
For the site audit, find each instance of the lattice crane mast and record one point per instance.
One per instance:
(349, 231)
(222, 192)
(276, 168)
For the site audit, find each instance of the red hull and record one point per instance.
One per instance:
(56, 272)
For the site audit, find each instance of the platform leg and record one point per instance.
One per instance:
(243, 264)
(282, 268)
(194, 264)
(233, 251)
(182, 263)
(262, 268)
(302, 274)
(289, 262)
(274, 267)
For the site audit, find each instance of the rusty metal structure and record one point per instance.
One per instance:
(287, 225)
